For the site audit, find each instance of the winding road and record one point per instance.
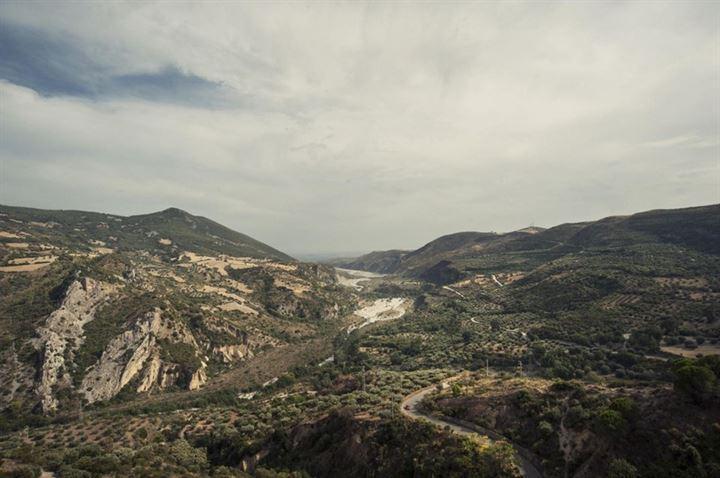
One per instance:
(409, 408)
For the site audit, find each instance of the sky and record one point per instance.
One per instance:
(335, 128)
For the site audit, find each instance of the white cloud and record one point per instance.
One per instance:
(366, 126)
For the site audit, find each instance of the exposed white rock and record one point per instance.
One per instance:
(250, 341)
(380, 310)
(231, 353)
(63, 334)
(150, 376)
(135, 353)
(198, 379)
(14, 376)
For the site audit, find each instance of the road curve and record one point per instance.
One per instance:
(408, 407)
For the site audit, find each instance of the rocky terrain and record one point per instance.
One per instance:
(167, 345)
(136, 321)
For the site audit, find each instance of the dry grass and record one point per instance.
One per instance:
(28, 264)
(17, 245)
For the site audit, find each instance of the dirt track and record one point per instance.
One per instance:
(408, 407)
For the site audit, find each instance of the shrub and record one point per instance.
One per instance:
(610, 422)
(25, 471)
(620, 468)
(545, 428)
(625, 406)
(694, 381)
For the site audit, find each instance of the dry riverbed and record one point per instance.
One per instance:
(381, 310)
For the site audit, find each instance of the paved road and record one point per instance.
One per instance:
(408, 407)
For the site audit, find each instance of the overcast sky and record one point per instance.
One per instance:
(338, 127)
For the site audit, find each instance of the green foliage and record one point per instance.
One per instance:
(694, 380)
(24, 471)
(193, 459)
(620, 468)
(610, 422)
(456, 390)
(545, 428)
(626, 406)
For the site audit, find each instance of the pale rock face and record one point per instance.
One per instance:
(63, 334)
(114, 370)
(15, 376)
(231, 353)
(150, 376)
(245, 349)
(198, 379)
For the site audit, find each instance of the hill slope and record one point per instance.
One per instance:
(95, 305)
(171, 229)
(696, 228)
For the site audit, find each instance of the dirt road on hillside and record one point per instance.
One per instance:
(409, 408)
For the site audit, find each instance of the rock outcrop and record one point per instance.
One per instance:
(232, 353)
(63, 334)
(16, 377)
(136, 353)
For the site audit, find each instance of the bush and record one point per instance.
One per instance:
(610, 422)
(694, 381)
(625, 406)
(70, 472)
(545, 428)
(620, 468)
(25, 471)
(194, 459)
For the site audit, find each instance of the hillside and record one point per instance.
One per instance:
(154, 341)
(93, 306)
(464, 253)
(381, 262)
(166, 231)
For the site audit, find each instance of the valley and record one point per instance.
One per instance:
(166, 344)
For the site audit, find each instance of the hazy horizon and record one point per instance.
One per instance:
(326, 128)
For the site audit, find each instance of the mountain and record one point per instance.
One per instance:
(696, 228)
(93, 305)
(381, 262)
(165, 231)
(168, 345)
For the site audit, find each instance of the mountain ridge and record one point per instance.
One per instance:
(696, 227)
(169, 229)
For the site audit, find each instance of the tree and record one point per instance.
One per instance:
(611, 422)
(456, 390)
(620, 468)
(468, 336)
(626, 406)
(545, 428)
(694, 381)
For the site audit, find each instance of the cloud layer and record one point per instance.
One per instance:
(348, 127)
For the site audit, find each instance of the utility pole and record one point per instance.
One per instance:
(487, 367)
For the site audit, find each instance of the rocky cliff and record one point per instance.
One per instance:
(63, 334)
